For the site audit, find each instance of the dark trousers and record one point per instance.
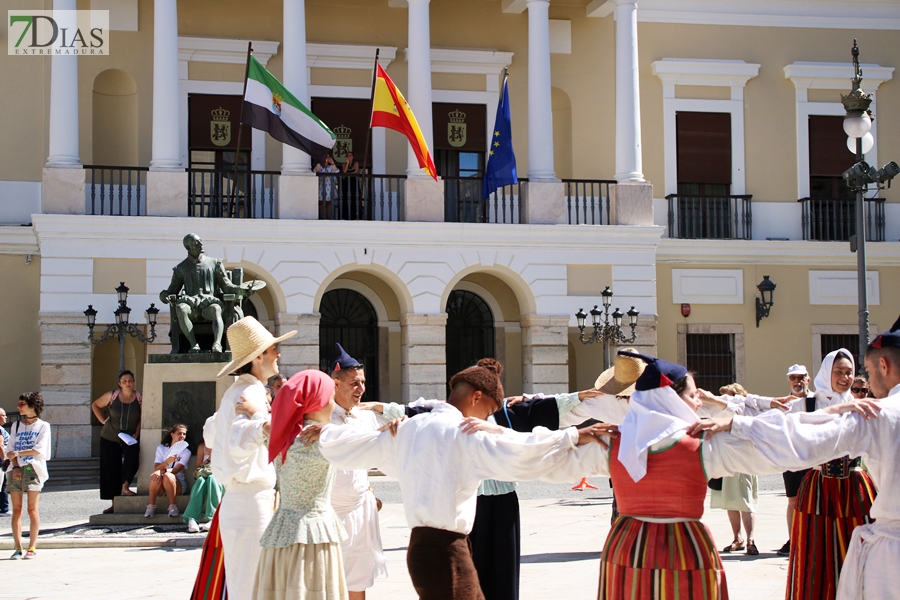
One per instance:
(118, 464)
(4, 497)
(496, 546)
(440, 565)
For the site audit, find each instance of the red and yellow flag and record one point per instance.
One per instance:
(390, 109)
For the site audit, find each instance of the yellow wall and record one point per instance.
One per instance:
(20, 334)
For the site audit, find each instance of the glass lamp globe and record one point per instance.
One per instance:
(868, 142)
(857, 125)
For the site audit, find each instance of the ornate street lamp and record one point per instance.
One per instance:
(604, 330)
(763, 304)
(122, 328)
(857, 123)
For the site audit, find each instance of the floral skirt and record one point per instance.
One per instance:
(649, 561)
(828, 510)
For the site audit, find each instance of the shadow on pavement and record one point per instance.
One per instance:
(559, 557)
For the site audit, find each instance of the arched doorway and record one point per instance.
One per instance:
(350, 320)
(470, 331)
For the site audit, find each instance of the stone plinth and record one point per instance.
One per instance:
(173, 403)
(423, 359)
(167, 193)
(544, 203)
(301, 351)
(545, 353)
(631, 203)
(424, 201)
(66, 383)
(62, 191)
(298, 196)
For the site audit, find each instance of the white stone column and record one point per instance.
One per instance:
(165, 153)
(64, 103)
(296, 75)
(167, 181)
(540, 105)
(419, 69)
(629, 165)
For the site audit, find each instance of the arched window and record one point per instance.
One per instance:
(350, 320)
(470, 331)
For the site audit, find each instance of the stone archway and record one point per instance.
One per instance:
(469, 331)
(350, 319)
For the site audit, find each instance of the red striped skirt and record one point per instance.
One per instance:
(210, 582)
(828, 510)
(644, 561)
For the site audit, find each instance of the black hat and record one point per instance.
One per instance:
(658, 374)
(888, 339)
(345, 361)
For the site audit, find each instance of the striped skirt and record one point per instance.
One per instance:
(671, 561)
(210, 582)
(828, 510)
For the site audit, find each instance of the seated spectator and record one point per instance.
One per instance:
(206, 493)
(168, 470)
(860, 388)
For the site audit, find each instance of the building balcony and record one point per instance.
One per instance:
(834, 219)
(710, 217)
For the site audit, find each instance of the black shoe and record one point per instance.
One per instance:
(786, 549)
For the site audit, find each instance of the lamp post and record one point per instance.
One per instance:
(604, 330)
(122, 328)
(857, 123)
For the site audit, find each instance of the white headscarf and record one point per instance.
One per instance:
(823, 379)
(653, 415)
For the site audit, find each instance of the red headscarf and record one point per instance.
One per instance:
(306, 392)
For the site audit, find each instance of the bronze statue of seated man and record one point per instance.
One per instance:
(197, 293)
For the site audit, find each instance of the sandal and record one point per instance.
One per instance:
(128, 492)
(735, 546)
(109, 511)
(751, 549)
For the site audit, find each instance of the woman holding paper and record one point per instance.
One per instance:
(172, 457)
(119, 411)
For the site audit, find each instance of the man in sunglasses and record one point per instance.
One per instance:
(798, 379)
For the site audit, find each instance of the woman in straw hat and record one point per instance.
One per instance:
(241, 459)
(301, 551)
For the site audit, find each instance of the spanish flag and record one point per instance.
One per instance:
(390, 109)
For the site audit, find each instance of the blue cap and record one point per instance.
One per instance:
(658, 374)
(344, 360)
(888, 339)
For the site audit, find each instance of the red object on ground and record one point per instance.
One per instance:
(584, 485)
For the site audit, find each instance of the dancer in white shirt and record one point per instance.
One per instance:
(241, 459)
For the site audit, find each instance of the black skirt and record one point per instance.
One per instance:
(496, 546)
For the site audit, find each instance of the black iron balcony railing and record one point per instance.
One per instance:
(119, 191)
(587, 201)
(463, 203)
(834, 219)
(710, 217)
(357, 197)
(216, 193)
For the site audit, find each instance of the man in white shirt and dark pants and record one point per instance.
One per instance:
(241, 460)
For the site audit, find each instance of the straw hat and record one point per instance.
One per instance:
(247, 339)
(619, 379)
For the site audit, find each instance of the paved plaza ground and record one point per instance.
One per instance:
(562, 535)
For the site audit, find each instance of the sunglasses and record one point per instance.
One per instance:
(859, 390)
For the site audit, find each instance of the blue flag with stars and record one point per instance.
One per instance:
(501, 165)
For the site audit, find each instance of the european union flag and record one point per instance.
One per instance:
(501, 165)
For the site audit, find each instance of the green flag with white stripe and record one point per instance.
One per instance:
(269, 106)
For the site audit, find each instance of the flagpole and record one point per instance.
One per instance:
(369, 130)
(237, 152)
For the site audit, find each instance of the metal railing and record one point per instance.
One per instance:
(119, 191)
(710, 217)
(834, 219)
(463, 203)
(357, 197)
(587, 201)
(212, 193)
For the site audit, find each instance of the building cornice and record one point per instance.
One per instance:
(472, 62)
(817, 14)
(686, 71)
(85, 229)
(770, 252)
(18, 240)
(835, 76)
(348, 56)
(223, 50)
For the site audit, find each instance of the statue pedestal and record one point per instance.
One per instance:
(178, 388)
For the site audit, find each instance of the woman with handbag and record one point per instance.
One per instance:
(27, 451)
(119, 411)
